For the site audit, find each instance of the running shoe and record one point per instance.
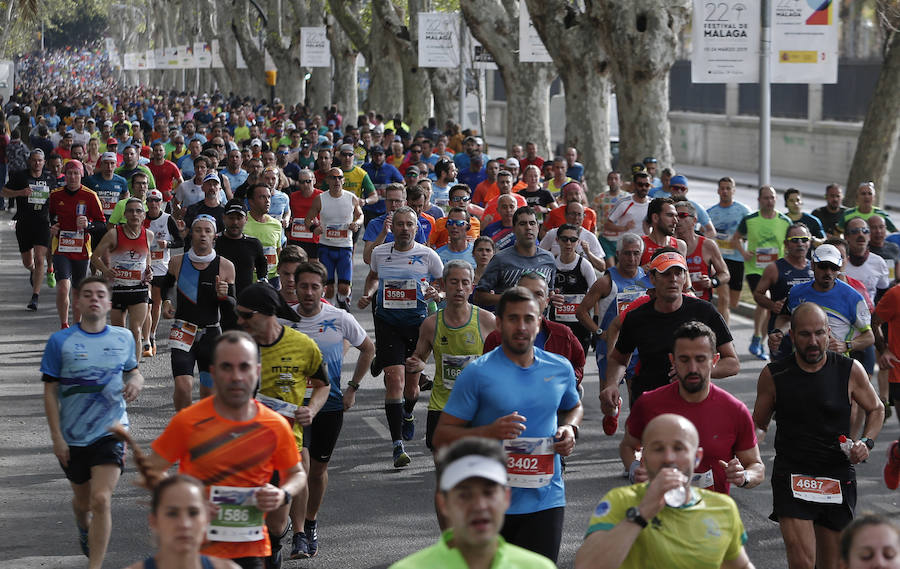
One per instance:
(611, 422)
(32, 306)
(148, 351)
(401, 459)
(83, 541)
(299, 546)
(51, 279)
(311, 529)
(343, 304)
(892, 467)
(757, 348)
(425, 382)
(409, 426)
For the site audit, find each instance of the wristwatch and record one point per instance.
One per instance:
(574, 430)
(287, 497)
(633, 515)
(849, 346)
(352, 385)
(870, 443)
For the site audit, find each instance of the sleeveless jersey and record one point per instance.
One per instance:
(573, 286)
(299, 206)
(628, 290)
(129, 260)
(335, 217)
(788, 276)
(813, 410)
(697, 268)
(159, 257)
(454, 349)
(650, 247)
(197, 297)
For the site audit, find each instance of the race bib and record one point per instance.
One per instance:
(129, 274)
(281, 407)
(766, 256)
(337, 232)
(400, 293)
(285, 383)
(627, 296)
(239, 520)
(271, 254)
(529, 462)
(811, 489)
(723, 240)
(696, 276)
(452, 365)
(39, 195)
(298, 229)
(157, 255)
(71, 241)
(108, 203)
(182, 335)
(703, 479)
(566, 312)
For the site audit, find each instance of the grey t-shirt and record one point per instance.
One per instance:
(508, 265)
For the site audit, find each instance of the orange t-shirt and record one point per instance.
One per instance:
(888, 310)
(439, 236)
(227, 453)
(491, 208)
(557, 217)
(485, 192)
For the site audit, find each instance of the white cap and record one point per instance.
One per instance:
(828, 254)
(256, 142)
(512, 162)
(472, 466)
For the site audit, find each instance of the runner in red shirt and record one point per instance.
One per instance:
(165, 172)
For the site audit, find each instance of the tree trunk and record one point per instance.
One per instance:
(417, 100)
(343, 91)
(445, 92)
(877, 141)
(318, 92)
(575, 46)
(641, 38)
(496, 25)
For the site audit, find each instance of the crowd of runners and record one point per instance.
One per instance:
(221, 233)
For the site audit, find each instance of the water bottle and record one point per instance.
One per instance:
(677, 497)
(432, 305)
(846, 444)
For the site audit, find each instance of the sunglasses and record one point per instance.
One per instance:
(246, 315)
(858, 230)
(459, 199)
(642, 185)
(798, 239)
(346, 154)
(683, 214)
(412, 174)
(218, 146)
(679, 188)
(456, 222)
(828, 267)
(568, 239)
(304, 181)
(336, 177)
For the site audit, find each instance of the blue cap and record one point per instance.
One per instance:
(211, 177)
(679, 180)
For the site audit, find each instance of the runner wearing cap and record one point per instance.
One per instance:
(109, 186)
(128, 271)
(356, 179)
(244, 251)
(340, 215)
(211, 205)
(381, 173)
(31, 190)
(166, 235)
(205, 292)
(293, 379)
(473, 495)
(668, 310)
(72, 209)
(495, 397)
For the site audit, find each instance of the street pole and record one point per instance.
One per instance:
(765, 96)
(462, 71)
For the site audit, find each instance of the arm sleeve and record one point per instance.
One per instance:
(176, 241)
(259, 256)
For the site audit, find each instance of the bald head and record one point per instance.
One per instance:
(668, 425)
(808, 314)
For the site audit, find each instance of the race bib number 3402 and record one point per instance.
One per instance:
(530, 461)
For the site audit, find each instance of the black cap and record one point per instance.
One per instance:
(377, 149)
(264, 299)
(235, 205)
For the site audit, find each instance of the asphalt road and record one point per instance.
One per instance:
(372, 515)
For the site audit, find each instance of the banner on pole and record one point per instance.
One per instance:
(726, 36)
(438, 39)
(129, 62)
(315, 47)
(531, 48)
(805, 42)
(202, 55)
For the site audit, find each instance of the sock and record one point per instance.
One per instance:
(342, 297)
(309, 524)
(393, 410)
(408, 406)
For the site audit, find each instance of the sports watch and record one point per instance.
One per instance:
(633, 515)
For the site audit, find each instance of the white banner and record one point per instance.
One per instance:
(805, 42)
(315, 48)
(481, 57)
(149, 60)
(170, 58)
(217, 56)
(531, 48)
(438, 39)
(130, 62)
(202, 55)
(159, 58)
(726, 38)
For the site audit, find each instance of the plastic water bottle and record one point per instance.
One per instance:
(846, 444)
(676, 497)
(432, 305)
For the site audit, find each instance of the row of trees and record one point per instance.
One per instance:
(597, 47)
